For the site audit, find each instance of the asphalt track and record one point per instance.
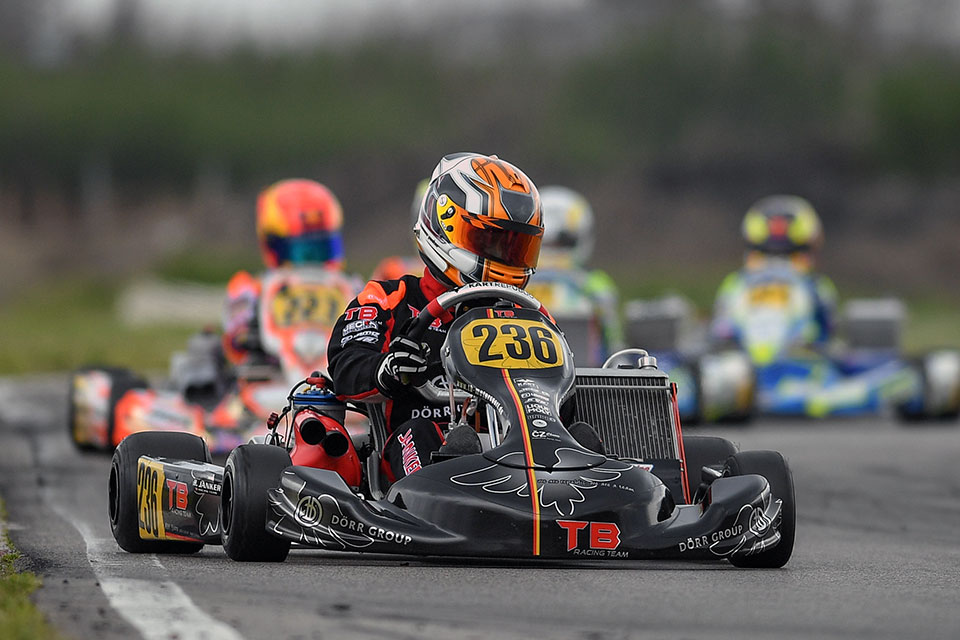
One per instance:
(877, 556)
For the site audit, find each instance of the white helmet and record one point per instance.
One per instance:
(567, 227)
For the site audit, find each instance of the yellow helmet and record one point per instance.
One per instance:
(782, 225)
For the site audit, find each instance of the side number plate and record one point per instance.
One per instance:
(150, 481)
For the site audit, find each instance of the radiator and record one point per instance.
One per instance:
(632, 409)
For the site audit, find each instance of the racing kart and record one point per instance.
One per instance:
(770, 322)
(534, 492)
(716, 384)
(297, 310)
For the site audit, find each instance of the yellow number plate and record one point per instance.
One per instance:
(771, 295)
(307, 304)
(150, 480)
(505, 343)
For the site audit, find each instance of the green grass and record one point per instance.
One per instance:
(19, 618)
(207, 265)
(57, 327)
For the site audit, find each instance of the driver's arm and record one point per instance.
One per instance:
(361, 338)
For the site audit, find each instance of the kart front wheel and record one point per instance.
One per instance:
(772, 466)
(704, 451)
(251, 470)
(123, 505)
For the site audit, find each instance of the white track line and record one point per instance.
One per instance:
(159, 610)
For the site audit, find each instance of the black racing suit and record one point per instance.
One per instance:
(359, 343)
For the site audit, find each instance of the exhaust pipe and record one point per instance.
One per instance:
(334, 442)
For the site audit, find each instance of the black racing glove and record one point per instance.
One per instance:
(404, 364)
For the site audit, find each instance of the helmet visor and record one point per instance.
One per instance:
(315, 247)
(508, 242)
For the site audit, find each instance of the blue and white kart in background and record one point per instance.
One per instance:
(771, 317)
(712, 384)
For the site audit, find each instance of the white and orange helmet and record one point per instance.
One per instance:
(479, 220)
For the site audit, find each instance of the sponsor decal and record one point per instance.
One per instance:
(369, 337)
(408, 453)
(377, 533)
(360, 325)
(431, 413)
(309, 511)
(361, 313)
(176, 494)
(535, 401)
(323, 523)
(537, 434)
(207, 486)
(751, 522)
(437, 323)
(601, 538)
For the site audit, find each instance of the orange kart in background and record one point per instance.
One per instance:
(297, 311)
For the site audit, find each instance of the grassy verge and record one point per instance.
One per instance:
(19, 618)
(61, 326)
(57, 327)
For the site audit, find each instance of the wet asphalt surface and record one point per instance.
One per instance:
(877, 554)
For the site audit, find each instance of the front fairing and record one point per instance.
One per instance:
(817, 387)
(772, 312)
(470, 507)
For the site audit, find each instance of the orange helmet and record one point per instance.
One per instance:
(298, 222)
(479, 220)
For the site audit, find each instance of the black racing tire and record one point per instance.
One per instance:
(695, 419)
(121, 381)
(739, 418)
(122, 486)
(250, 471)
(905, 413)
(705, 451)
(909, 416)
(772, 466)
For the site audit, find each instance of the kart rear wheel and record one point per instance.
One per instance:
(705, 451)
(251, 470)
(121, 381)
(772, 466)
(930, 383)
(124, 519)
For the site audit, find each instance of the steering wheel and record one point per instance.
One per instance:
(449, 300)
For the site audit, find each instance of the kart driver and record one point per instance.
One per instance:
(479, 220)
(568, 239)
(298, 224)
(785, 229)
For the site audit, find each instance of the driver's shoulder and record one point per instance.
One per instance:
(388, 294)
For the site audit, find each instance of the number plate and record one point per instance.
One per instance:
(511, 344)
(150, 481)
(770, 295)
(306, 304)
